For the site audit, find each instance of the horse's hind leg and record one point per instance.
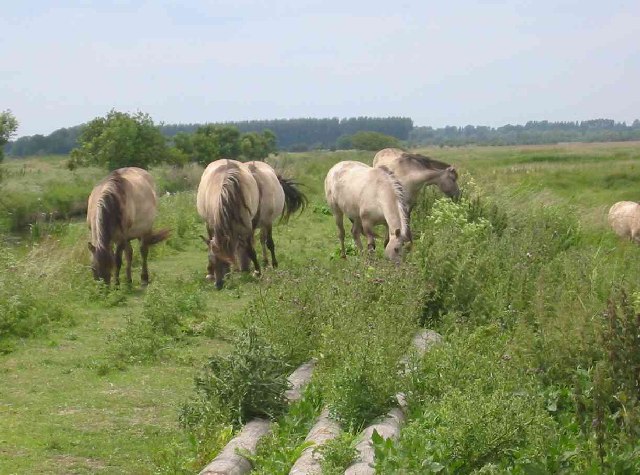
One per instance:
(251, 252)
(144, 253)
(263, 243)
(271, 246)
(337, 214)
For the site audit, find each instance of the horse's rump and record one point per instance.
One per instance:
(227, 200)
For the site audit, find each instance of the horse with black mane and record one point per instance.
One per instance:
(234, 199)
(122, 207)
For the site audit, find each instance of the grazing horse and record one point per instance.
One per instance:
(228, 200)
(368, 196)
(279, 197)
(624, 218)
(122, 207)
(415, 170)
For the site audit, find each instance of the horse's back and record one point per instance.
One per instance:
(270, 190)
(135, 190)
(624, 219)
(350, 186)
(387, 156)
(210, 196)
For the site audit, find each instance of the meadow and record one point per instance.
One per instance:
(536, 299)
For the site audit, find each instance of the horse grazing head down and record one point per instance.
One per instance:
(448, 182)
(219, 261)
(102, 263)
(394, 249)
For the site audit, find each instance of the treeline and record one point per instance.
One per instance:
(533, 132)
(291, 134)
(309, 133)
(330, 133)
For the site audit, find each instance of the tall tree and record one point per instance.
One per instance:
(211, 142)
(8, 127)
(120, 140)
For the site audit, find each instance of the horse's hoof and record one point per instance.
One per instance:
(210, 277)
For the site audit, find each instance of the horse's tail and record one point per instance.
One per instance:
(157, 237)
(229, 213)
(294, 199)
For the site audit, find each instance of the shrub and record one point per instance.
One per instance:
(249, 382)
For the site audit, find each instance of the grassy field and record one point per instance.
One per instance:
(516, 276)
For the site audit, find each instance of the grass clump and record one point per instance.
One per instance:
(169, 313)
(279, 450)
(26, 308)
(338, 453)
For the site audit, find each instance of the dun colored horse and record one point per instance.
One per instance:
(624, 218)
(122, 207)
(228, 199)
(234, 199)
(368, 196)
(279, 197)
(415, 170)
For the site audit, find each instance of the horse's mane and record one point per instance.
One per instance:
(109, 209)
(424, 162)
(229, 208)
(398, 189)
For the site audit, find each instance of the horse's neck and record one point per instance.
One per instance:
(424, 176)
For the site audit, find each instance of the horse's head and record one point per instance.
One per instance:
(219, 262)
(394, 249)
(448, 182)
(102, 263)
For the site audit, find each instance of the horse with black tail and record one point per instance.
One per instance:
(279, 197)
(122, 207)
(228, 200)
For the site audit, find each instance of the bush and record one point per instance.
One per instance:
(250, 382)
(373, 141)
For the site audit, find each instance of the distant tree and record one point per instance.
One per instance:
(120, 140)
(344, 142)
(373, 141)
(211, 142)
(8, 127)
(255, 146)
(183, 142)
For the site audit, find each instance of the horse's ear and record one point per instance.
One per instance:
(91, 247)
(206, 241)
(397, 233)
(452, 170)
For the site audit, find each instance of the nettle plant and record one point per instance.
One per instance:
(449, 214)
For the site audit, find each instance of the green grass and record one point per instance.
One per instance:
(95, 381)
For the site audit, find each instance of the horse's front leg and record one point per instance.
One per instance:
(371, 235)
(356, 231)
(119, 248)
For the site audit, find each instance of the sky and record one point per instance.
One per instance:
(440, 63)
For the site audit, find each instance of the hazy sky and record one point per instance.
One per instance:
(438, 62)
